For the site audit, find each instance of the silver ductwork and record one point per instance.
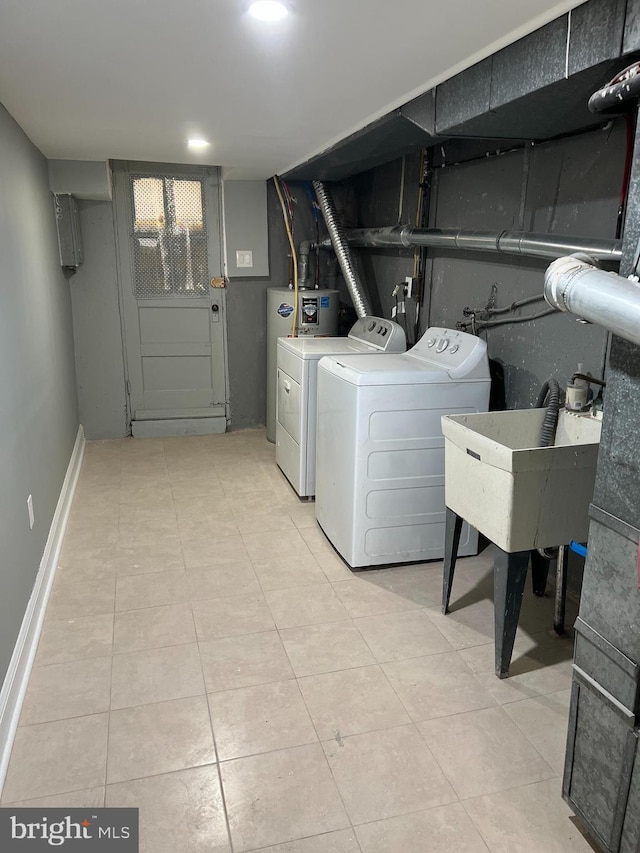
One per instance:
(341, 248)
(524, 243)
(576, 286)
(303, 264)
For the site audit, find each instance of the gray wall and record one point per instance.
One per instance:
(246, 326)
(568, 186)
(87, 179)
(96, 327)
(38, 412)
(245, 227)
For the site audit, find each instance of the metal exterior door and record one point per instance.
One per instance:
(168, 234)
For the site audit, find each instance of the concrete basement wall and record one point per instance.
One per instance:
(568, 186)
(38, 412)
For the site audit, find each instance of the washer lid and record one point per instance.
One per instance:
(383, 369)
(307, 347)
(441, 355)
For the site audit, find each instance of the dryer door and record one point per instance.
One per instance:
(289, 405)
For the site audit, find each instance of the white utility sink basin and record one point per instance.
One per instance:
(517, 494)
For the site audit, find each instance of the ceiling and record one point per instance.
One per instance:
(133, 79)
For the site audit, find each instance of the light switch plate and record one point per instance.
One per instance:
(244, 258)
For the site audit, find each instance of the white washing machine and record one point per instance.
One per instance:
(380, 449)
(296, 391)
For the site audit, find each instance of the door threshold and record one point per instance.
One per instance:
(169, 427)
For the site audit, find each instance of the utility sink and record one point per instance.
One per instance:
(517, 494)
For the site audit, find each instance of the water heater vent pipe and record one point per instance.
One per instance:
(341, 248)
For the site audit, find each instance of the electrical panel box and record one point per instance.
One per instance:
(68, 225)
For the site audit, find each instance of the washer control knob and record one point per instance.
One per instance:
(454, 349)
(431, 342)
(371, 326)
(443, 343)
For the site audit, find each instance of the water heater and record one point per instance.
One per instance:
(317, 315)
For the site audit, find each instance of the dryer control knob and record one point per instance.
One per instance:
(431, 342)
(443, 343)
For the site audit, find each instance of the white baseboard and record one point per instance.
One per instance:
(17, 677)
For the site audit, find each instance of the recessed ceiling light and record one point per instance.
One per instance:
(198, 143)
(269, 10)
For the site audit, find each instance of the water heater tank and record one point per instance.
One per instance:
(317, 315)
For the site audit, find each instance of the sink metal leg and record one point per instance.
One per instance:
(452, 530)
(561, 589)
(509, 576)
(539, 572)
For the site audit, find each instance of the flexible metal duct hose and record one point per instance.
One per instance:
(343, 253)
(548, 431)
(604, 298)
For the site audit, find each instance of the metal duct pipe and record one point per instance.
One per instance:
(609, 300)
(377, 238)
(524, 243)
(554, 246)
(303, 264)
(340, 247)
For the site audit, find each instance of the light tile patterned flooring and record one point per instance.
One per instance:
(208, 658)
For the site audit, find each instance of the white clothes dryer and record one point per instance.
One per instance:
(380, 448)
(296, 391)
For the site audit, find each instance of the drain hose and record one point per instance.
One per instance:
(548, 431)
(547, 436)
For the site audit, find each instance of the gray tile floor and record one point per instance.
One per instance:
(207, 658)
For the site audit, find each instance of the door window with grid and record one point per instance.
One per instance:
(169, 237)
